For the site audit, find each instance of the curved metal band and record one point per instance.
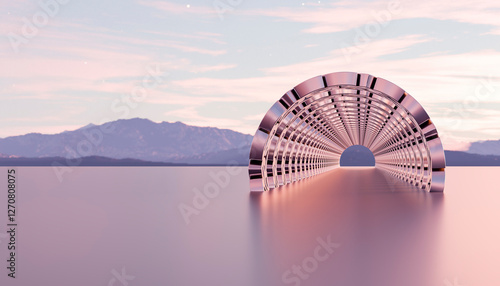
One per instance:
(307, 129)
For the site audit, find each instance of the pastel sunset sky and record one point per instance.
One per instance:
(223, 63)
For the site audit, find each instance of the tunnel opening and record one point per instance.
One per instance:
(357, 156)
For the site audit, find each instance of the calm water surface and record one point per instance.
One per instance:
(150, 226)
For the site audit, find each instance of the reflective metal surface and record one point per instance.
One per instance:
(307, 129)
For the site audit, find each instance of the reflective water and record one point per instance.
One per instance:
(154, 226)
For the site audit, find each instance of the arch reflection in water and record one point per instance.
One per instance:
(307, 129)
(389, 232)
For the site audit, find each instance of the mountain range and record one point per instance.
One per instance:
(134, 138)
(489, 147)
(142, 142)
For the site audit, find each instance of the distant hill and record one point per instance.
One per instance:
(459, 158)
(237, 156)
(128, 138)
(489, 147)
(85, 161)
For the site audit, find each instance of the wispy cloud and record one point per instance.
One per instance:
(311, 45)
(191, 49)
(84, 63)
(96, 62)
(432, 78)
(214, 68)
(175, 8)
(279, 79)
(345, 15)
(160, 39)
(202, 36)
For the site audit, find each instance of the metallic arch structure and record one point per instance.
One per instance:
(307, 129)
